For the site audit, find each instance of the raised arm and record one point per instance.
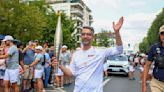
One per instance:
(117, 28)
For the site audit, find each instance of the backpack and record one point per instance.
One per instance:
(44, 60)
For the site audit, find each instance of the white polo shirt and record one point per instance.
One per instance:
(87, 67)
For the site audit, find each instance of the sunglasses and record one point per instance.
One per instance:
(162, 33)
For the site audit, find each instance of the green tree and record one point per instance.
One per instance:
(67, 29)
(32, 20)
(49, 31)
(20, 20)
(144, 45)
(153, 33)
(103, 38)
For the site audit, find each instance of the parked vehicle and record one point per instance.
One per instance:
(118, 64)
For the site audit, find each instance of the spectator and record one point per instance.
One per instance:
(65, 58)
(12, 69)
(47, 67)
(28, 59)
(39, 69)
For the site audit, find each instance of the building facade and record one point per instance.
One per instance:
(77, 10)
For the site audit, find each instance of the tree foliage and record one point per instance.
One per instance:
(33, 20)
(153, 33)
(67, 29)
(104, 38)
(144, 45)
(20, 20)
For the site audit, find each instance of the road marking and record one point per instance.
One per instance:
(106, 81)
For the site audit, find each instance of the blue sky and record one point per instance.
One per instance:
(138, 15)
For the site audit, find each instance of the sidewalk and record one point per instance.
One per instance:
(53, 89)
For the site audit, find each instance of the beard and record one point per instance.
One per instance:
(7, 44)
(86, 43)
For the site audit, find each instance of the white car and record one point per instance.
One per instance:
(117, 64)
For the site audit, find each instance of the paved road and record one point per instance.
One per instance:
(120, 83)
(123, 84)
(115, 83)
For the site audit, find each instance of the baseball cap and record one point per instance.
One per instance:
(36, 41)
(30, 42)
(161, 29)
(64, 46)
(8, 38)
(39, 47)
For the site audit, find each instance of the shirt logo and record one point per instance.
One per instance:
(85, 63)
(90, 55)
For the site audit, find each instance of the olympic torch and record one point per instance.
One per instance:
(58, 39)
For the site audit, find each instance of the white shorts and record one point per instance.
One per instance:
(59, 73)
(131, 68)
(38, 73)
(141, 69)
(11, 75)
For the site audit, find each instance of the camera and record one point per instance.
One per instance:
(159, 62)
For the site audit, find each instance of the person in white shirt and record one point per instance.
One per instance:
(12, 65)
(87, 63)
(39, 68)
(65, 58)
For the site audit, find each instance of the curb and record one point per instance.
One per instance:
(106, 81)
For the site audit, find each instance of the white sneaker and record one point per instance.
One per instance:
(140, 81)
(148, 82)
(62, 87)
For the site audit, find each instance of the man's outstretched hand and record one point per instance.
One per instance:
(118, 26)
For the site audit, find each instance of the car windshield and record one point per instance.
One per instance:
(118, 58)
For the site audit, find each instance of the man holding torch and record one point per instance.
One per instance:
(87, 63)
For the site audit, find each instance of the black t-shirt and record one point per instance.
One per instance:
(20, 56)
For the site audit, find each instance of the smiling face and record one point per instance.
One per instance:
(86, 36)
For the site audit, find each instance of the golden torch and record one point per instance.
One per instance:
(58, 39)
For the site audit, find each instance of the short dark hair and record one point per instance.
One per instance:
(89, 27)
(18, 43)
(47, 50)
